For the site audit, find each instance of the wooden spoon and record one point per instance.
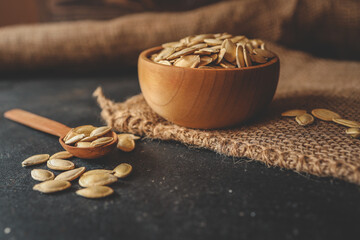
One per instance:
(55, 128)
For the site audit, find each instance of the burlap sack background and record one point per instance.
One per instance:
(329, 28)
(324, 28)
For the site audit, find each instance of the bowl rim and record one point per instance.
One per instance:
(144, 55)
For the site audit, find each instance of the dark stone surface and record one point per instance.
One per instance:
(175, 192)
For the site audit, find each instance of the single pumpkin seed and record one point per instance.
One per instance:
(52, 186)
(247, 57)
(226, 64)
(69, 135)
(88, 139)
(42, 175)
(101, 141)
(237, 39)
(293, 113)
(122, 170)
(97, 171)
(126, 143)
(182, 52)
(230, 54)
(347, 123)
(304, 119)
(258, 58)
(190, 61)
(85, 129)
(60, 164)
(62, 155)
(99, 179)
(264, 53)
(324, 114)
(205, 60)
(354, 132)
(71, 174)
(35, 159)
(221, 55)
(128, 135)
(95, 192)
(165, 62)
(74, 139)
(224, 36)
(212, 41)
(83, 144)
(100, 131)
(166, 52)
(240, 61)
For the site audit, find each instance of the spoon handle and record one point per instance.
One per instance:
(37, 122)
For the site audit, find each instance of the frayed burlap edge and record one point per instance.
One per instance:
(118, 116)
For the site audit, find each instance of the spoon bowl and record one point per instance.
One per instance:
(60, 130)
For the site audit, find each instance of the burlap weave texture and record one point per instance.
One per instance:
(306, 82)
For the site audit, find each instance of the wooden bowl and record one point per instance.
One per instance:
(207, 98)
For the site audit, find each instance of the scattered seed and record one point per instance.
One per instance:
(52, 186)
(71, 174)
(97, 171)
(42, 175)
(304, 119)
(62, 155)
(324, 114)
(60, 164)
(99, 179)
(95, 192)
(126, 143)
(36, 159)
(122, 170)
(293, 113)
(354, 132)
(100, 131)
(347, 123)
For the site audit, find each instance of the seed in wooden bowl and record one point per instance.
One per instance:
(60, 164)
(71, 175)
(97, 171)
(293, 113)
(125, 143)
(304, 119)
(354, 132)
(122, 170)
(52, 186)
(100, 131)
(42, 175)
(101, 141)
(95, 192)
(347, 123)
(324, 114)
(99, 179)
(35, 159)
(62, 155)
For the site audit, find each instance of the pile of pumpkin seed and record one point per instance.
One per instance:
(303, 118)
(220, 50)
(93, 182)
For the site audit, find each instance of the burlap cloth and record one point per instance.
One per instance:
(325, 28)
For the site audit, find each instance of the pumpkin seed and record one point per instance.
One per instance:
(240, 61)
(230, 54)
(190, 61)
(293, 113)
(85, 129)
(247, 57)
(205, 60)
(88, 139)
(60, 164)
(42, 175)
(258, 58)
(226, 64)
(212, 41)
(165, 62)
(126, 144)
(122, 170)
(354, 132)
(304, 119)
(347, 123)
(264, 53)
(95, 192)
(172, 45)
(71, 174)
(166, 52)
(101, 141)
(83, 144)
(62, 155)
(182, 52)
(324, 114)
(97, 171)
(221, 55)
(100, 131)
(99, 179)
(74, 139)
(36, 159)
(52, 186)
(69, 135)
(128, 135)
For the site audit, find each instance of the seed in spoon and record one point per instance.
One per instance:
(122, 170)
(42, 175)
(60, 164)
(101, 141)
(83, 144)
(71, 174)
(36, 159)
(74, 139)
(99, 179)
(52, 186)
(100, 131)
(85, 129)
(95, 192)
(88, 139)
(62, 155)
